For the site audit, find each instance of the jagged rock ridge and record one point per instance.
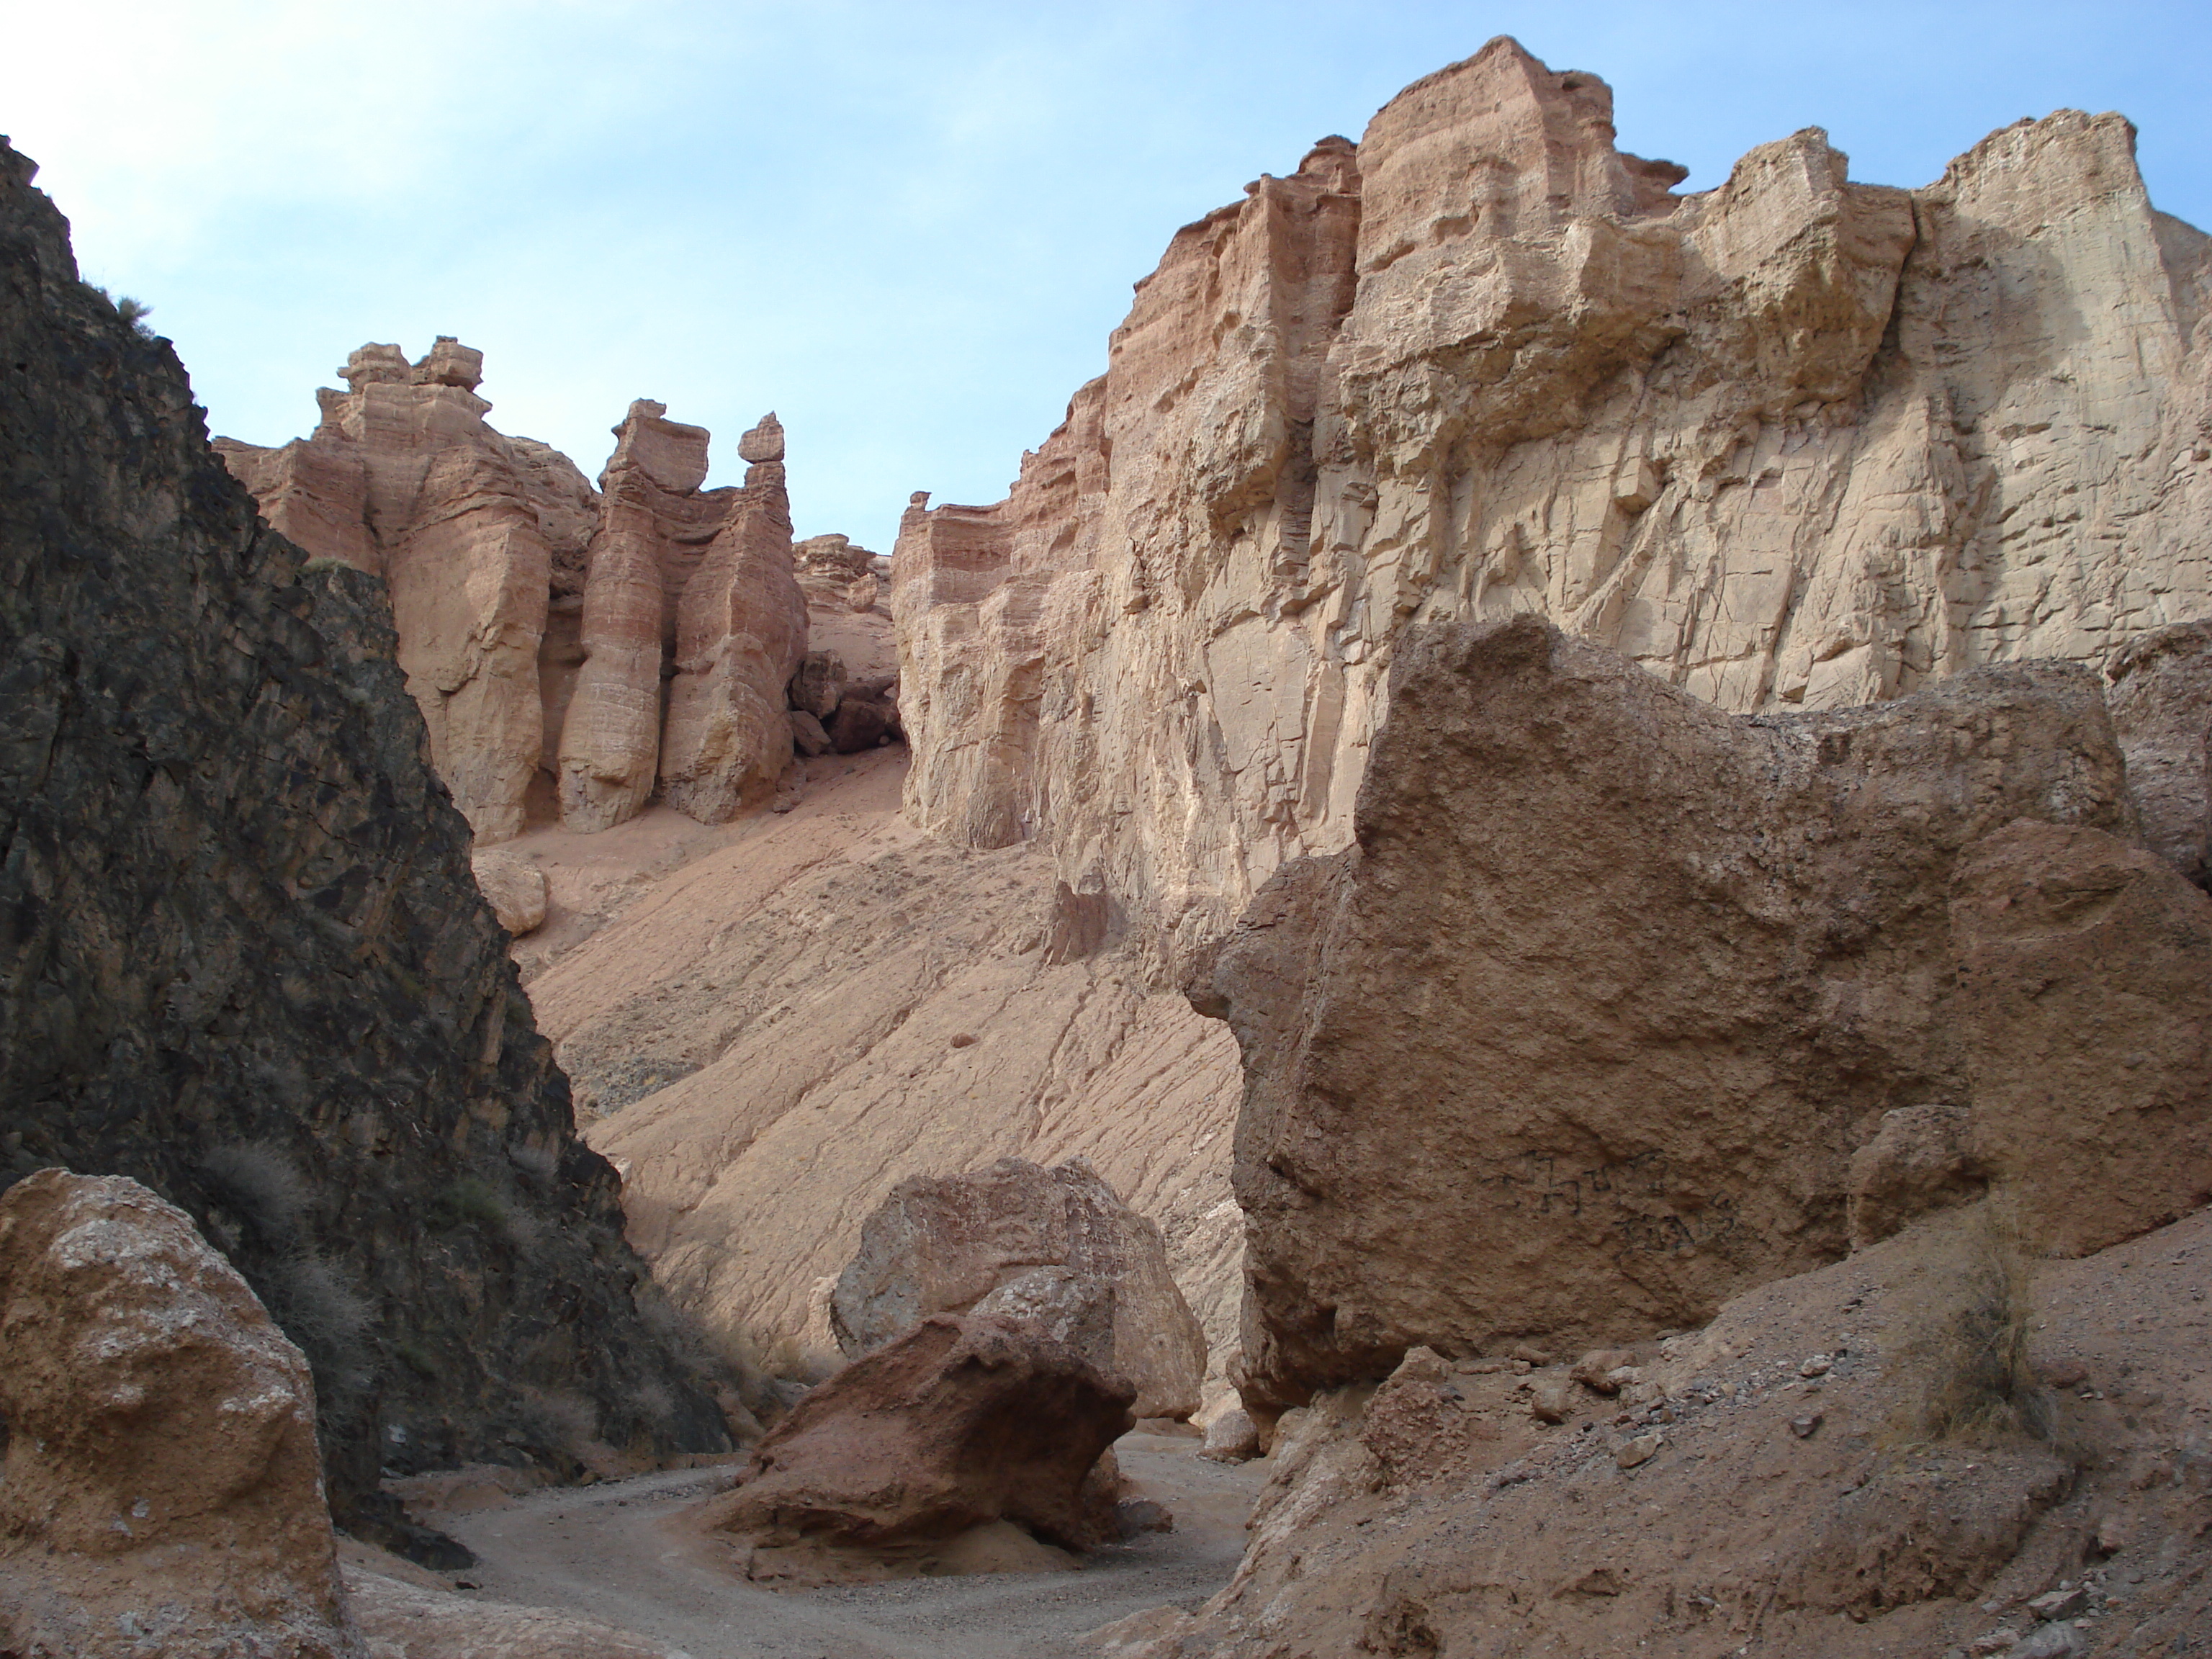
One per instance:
(1795, 442)
(244, 959)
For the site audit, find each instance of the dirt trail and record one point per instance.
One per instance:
(616, 1552)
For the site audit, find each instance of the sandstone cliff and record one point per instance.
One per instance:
(1793, 442)
(244, 961)
(572, 649)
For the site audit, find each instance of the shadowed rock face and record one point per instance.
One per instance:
(162, 1483)
(243, 959)
(1055, 1244)
(961, 1421)
(1582, 1036)
(1793, 442)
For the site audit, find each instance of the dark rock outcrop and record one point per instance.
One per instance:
(1581, 1037)
(242, 957)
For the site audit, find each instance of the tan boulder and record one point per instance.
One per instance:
(961, 1422)
(990, 1239)
(2084, 1007)
(2162, 700)
(163, 1490)
(514, 887)
(1580, 1039)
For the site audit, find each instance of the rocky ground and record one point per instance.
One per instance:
(624, 1553)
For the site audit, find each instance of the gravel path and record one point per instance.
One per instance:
(611, 1552)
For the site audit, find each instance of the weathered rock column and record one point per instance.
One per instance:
(740, 633)
(611, 743)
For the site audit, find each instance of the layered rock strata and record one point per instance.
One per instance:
(1057, 1245)
(1582, 1034)
(791, 1080)
(1792, 442)
(244, 961)
(694, 588)
(573, 649)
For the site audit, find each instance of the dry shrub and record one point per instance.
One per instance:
(559, 1417)
(1964, 1358)
(261, 1184)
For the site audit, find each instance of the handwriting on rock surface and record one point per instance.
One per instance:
(1627, 1191)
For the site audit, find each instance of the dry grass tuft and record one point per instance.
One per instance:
(1964, 1358)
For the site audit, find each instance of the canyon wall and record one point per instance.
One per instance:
(243, 960)
(572, 649)
(1793, 442)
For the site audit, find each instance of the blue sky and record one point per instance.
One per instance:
(906, 228)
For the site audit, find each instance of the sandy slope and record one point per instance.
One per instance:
(841, 1002)
(619, 1554)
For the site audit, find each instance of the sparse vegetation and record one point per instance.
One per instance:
(1966, 1352)
(262, 1184)
(471, 1200)
(133, 311)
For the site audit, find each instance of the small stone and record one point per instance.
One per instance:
(1817, 1365)
(1594, 1370)
(1231, 1437)
(1421, 1365)
(1806, 1426)
(1630, 1454)
(808, 735)
(2062, 1603)
(2065, 1373)
(1551, 1399)
(1531, 1354)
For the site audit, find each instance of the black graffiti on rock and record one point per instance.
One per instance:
(1634, 1196)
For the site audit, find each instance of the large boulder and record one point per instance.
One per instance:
(163, 1491)
(962, 1422)
(2161, 699)
(1583, 1036)
(515, 888)
(990, 1240)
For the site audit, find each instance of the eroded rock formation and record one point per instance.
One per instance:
(163, 1492)
(1792, 442)
(960, 1422)
(1582, 1034)
(244, 961)
(791, 1080)
(472, 532)
(693, 587)
(1056, 1245)
(620, 641)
